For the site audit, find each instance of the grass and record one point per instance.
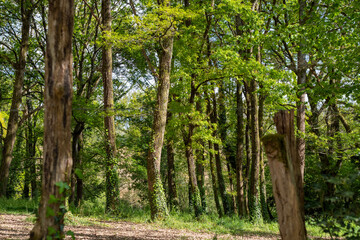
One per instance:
(18, 206)
(90, 213)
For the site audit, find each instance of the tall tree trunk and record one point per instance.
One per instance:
(255, 212)
(172, 200)
(57, 130)
(156, 193)
(200, 166)
(112, 179)
(13, 123)
(212, 165)
(200, 175)
(262, 183)
(239, 151)
(30, 173)
(220, 177)
(194, 193)
(247, 147)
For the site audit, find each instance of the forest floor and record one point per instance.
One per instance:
(18, 227)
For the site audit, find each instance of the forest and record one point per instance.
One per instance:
(219, 112)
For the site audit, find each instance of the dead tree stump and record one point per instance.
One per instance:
(285, 172)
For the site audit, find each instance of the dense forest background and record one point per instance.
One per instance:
(225, 68)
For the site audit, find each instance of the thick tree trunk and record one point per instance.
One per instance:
(285, 170)
(12, 127)
(57, 130)
(255, 158)
(156, 193)
(239, 151)
(112, 179)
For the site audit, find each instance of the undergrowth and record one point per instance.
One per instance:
(92, 212)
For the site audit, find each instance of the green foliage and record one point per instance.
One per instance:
(18, 206)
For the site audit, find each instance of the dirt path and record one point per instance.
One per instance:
(16, 227)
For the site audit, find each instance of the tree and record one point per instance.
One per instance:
(27, 8)
(112, 181)
(57, 161)
(156, 192)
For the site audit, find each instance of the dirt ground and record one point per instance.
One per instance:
(16, 227)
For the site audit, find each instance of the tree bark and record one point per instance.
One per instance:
(112, 179)
(262, 183)
(172, 200)
(29, 164)
(57, 130)
(156, 193)
(239, 151)
(13, 123)
(248, 148)
(200, 175)
(255, 150)
(200, 166)
(285, 170)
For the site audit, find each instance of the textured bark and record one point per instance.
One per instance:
(255, 150)
(282, 153)
(13, 122)
(57, 130)
(156, 193)
(239, 151)
(112, 179)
